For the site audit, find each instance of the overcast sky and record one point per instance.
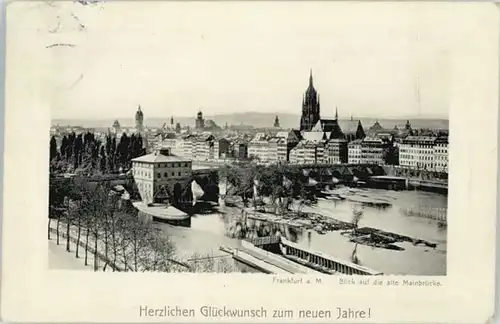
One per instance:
(176, 58)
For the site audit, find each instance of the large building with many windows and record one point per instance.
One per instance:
(373, 150)
(336, 151)
(417, 152)
(204, 147)
(424, 153)
(441, 154)
(307, 152)
(354, 151)
(258, 147)
(161, 176)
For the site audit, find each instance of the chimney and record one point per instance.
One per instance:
(165, 151)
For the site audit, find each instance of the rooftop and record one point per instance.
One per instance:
(315, 136)
(349, 126)
(429, 139)
(158, 157)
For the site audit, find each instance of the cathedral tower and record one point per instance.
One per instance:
(310, 107)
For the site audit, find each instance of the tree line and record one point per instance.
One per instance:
(86, 153)
(281, 182)
(102, 224)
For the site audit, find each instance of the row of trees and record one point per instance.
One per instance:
(101, 223)
(89, 154)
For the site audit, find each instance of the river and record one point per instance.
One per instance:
(208, 231)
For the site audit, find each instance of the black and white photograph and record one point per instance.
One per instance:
(250, 162)
(312, 147)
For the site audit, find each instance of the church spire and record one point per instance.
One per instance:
(336, 113)
(276, 122)
(310, 106)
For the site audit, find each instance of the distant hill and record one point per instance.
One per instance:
(254, 119)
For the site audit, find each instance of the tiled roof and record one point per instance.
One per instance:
(372, 139)
(337, 140)
(160, 158)
(260, 137)
(349, 126)
(328, 125)
(376, 126)
(420, 139)
(314, 136)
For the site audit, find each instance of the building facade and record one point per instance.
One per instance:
(161, 177)
(336, 151)
(424, 153)
(203, 147)
(221, 148)
(307, 152)
(240, 149)
(272, 154)
(354, 152)
(291, 139)
(282, 147)
(417, 152)
(373, 150)
(258, 147)
(441, 154)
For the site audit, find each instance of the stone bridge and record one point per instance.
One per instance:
(206, 178)
(327, 173)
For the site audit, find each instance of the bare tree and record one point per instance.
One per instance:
(79, 216)
(69, 216)
(113, 224)
(210, 263)
(159, 254)
(137, 234)
(357, 214)
(94, 203)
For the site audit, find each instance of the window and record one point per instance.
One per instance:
(165, 174)
(159, 175)
(179, 174)
(173, 174)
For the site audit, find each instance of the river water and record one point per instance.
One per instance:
(208, 231)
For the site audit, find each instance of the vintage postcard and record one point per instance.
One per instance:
(274, 162)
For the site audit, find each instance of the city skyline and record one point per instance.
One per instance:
(180, 61)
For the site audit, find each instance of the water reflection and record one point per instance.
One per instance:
(212, 226)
